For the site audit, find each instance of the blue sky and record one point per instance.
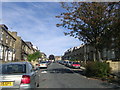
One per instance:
(36, 22)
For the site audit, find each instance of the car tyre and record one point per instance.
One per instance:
(37, 84)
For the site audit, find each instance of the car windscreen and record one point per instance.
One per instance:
(13, 68)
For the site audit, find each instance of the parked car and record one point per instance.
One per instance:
(61, 62)
(66, 63)
(69, 64)
(43, 64)
(18, 75)
(75, 65)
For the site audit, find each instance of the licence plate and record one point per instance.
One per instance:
(6, 83)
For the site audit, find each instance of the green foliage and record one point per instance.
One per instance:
(97, 69)
(34, 56)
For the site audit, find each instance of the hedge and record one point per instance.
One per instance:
(97, 69)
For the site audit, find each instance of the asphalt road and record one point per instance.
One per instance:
(59, 76)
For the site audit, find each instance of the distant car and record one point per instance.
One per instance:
(49, 62)
(64, 62)
(18, 75)
(43, 64)
(61, 62)
(75, 65)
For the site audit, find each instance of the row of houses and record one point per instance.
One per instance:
(86, 52)
(12, 47)
(57, 58)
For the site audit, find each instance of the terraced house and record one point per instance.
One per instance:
(23, 49)
(32, 49)
(7, 44)
(12, 47)
(87, 53)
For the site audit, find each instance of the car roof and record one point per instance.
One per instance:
(16, 63)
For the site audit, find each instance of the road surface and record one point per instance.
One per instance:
(59, 76)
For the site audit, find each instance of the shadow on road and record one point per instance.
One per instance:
(64, 70)
(60, 70)
(78, 71)
(113, 86)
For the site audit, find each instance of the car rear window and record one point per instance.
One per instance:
(76, 63)
(43, 62)
(13, 68)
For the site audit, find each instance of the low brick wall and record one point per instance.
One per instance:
(115, 66)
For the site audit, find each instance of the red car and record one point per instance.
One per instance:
(75, 65)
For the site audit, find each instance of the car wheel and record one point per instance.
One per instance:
(37, 84)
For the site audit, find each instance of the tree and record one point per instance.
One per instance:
(88, 21)
(112, 34)
(51, 57)
(34, 56)
(115, 29)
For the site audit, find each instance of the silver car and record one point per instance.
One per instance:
(18, 75)
(43, 64)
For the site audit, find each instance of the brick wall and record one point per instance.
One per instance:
(115, 66)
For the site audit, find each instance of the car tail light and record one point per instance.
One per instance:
(74, 65)
(25, 79)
